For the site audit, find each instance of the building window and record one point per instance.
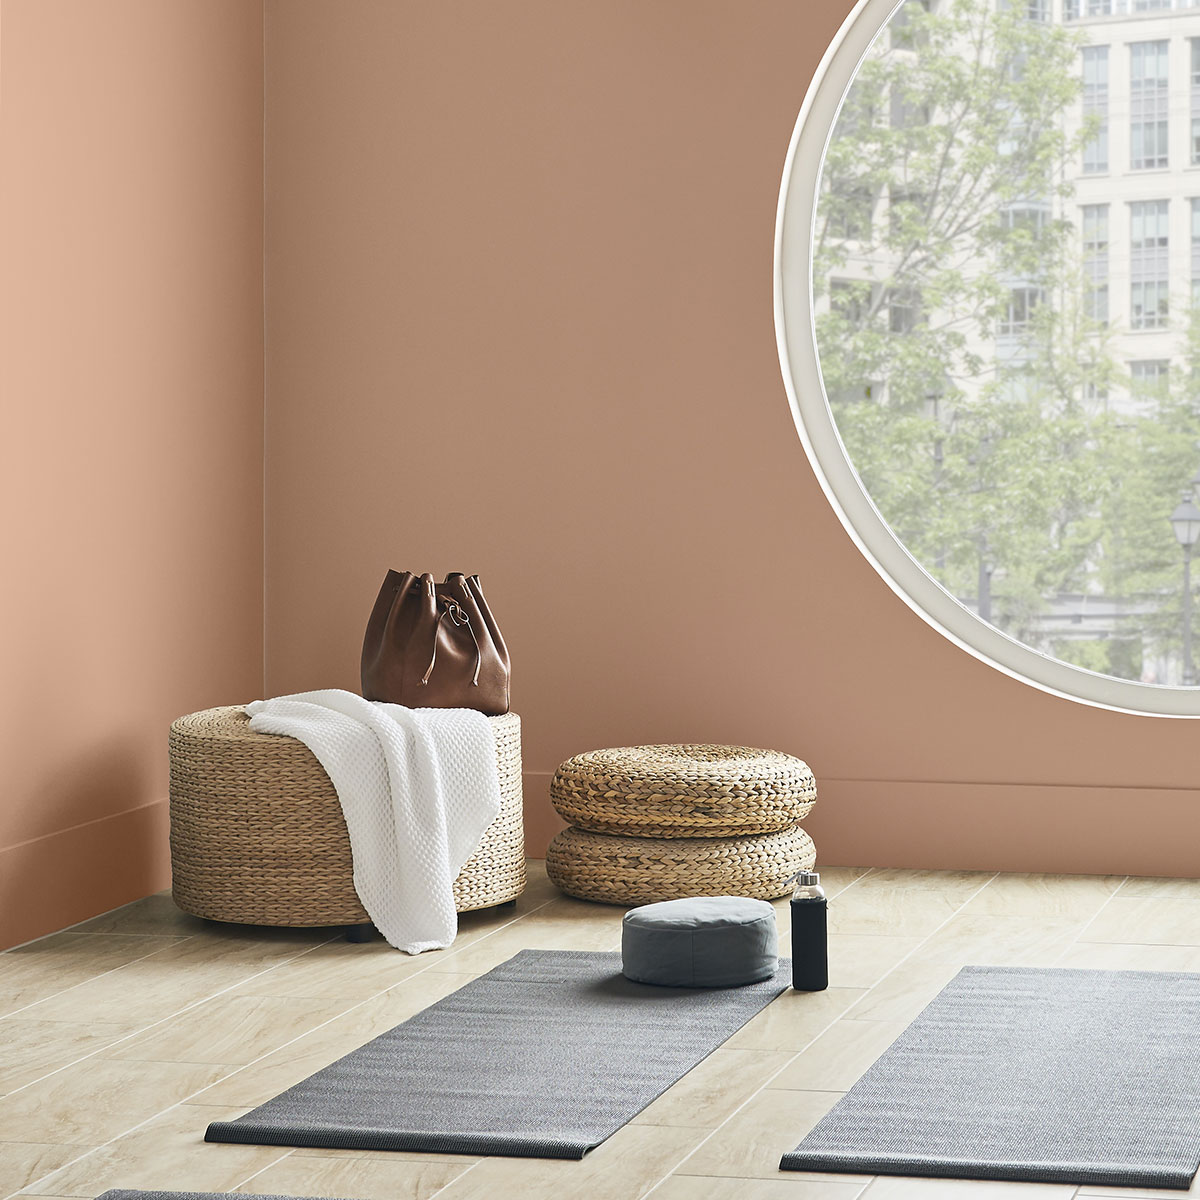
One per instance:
(1195, 101)
(1148, 304)
(1150, 5)
(903, 112)
(1034, 10)
(1149, 375)
(906, 213)
(852, 211)
(1030, 217)
(1149, 267)
(1196, 253)
(1022, 301)
(906, 33)
(1095, 229)
(904, 310)
(1095, 261)
(1147, 105)
(850, 299)
(1148, 225)
(1095, 107)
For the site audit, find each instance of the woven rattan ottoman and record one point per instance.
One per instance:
(258, 836)
(652, 823)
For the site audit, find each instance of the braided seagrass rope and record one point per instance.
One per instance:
(642, 870)
(683, 791)
(258, 836)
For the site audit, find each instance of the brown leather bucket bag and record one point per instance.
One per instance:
(434, 645)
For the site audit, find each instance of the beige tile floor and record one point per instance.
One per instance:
(121, 1038)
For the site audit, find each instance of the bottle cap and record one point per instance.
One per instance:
(805, 879)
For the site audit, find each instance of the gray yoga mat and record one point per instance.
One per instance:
(1030, 1074)
(543, 1057)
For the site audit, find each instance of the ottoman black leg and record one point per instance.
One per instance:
(507, 904)
(360, 933)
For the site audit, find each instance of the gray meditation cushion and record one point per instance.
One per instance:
(704, 941)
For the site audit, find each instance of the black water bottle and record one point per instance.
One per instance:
(810, 941)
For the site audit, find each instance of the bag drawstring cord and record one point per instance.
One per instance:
(460, 617)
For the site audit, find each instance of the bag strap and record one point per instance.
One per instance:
(460, 617)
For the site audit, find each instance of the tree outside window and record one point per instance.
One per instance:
(981, 381)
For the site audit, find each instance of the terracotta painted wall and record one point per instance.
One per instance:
(519, 321)
(131, 454)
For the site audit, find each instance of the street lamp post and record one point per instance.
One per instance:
(1185, 520)
(985, 582)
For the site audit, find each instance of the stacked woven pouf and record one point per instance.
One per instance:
(651, 823)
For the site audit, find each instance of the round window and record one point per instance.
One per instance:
(988, 309)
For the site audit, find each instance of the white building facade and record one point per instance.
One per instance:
(1137, 184)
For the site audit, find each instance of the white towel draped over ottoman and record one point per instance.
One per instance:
(418, 788)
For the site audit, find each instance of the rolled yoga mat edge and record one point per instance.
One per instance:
(1030, 1075)
(347, 1138)
(1118, 1175)
(545, 1056)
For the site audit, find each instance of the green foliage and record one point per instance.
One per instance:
(982, 434)
(1107, 656)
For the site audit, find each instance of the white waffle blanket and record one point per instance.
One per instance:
(418, 787)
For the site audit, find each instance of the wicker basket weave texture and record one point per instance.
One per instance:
(258, 836)
(683, 791)
(640, 870)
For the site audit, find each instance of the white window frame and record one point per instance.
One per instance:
(1194, 209)
(1150, 106)
(1093, 221)
(1140, 377)
(1023, 301)
(796, 337)
(1149, 264)
(1095, 103)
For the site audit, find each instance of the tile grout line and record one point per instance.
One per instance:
(283, 1045)
(75, 927)
(171, 1016)
(75, 931)
(891, 970)
(1088, 924)
(255, 1174)
(451, 1182)
(767, 1083)
(99, 974)
(216, 995)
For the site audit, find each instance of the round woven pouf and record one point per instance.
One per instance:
(258, 836)
(642, 870)
(683, 791)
